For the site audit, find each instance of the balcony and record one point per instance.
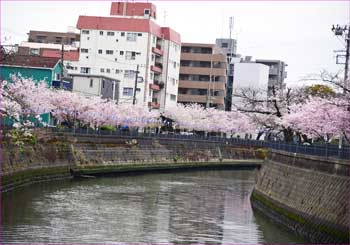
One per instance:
(153, 105)
(202, 85)
(203, 71)
(154, 87)
(157, 51)
(200, 99)
(156, 69)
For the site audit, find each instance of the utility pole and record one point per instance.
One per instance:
(210, 78)
(135, 88)
(344, 31)
(62, 52)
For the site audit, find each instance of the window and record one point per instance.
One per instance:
(115, 59)
(88, 38)
(139, 34)
(84, 70)
(122, 34)
(127, 91)
(34, 51)
(174, 64)
(121, 52)
(102, 70)
(101, 33)
(138, 90)
(84, 50)
(116, 40)
(91, 83)
(129, 74)
(146, 12)
(58, 39)
(173, 81)
(100, 51)
(117, 71)
(110, 33)
(153, 57)
(109, 51)
(154, 39)
(85, 32)
(131, 36)
(130, 55)
(173, 97)
(103, 83)
(151, 75)
(108, 70)
(224, 45)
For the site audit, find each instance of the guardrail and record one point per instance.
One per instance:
(325, 150)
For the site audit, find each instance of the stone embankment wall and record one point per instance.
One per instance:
(54, 155)
(308, 195)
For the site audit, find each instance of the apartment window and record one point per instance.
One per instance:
(34, 51)
(58, 39)
(117, 71)
(131, 36)
(100, 51)
(146, 12)
(127, 91)
(91, 83)
(174, 64)
(173, 81)
(139, 34)
(84, 50)
(85, 32)
(101, 33)
(130, 55)
(224, 45)
(109, 51)
(110, 33)
(122, 34)
(129, 74)
(108, 70)
(172, 97)
(85, 70)
(121, 52)
(103, 83)
(102, 70)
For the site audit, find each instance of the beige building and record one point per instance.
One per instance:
(202, 75)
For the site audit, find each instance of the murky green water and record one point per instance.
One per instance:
(180, 207)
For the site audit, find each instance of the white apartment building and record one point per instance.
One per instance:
(114, 46)
(249, 75)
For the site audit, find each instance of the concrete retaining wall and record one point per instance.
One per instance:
(308, 195)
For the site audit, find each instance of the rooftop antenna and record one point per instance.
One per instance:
(164, 17)
(231, 25)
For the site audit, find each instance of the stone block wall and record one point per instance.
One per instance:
(308, 195)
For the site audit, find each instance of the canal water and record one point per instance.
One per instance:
(180, 207)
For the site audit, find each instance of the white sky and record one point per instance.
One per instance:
(297, 32)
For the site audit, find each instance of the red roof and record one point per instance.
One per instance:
(29, 61)
(67, 55)
(127, 24)
(132, 9)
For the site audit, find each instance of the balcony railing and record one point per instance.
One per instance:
(156, 69)
(154, 87)
(153, 105)
(157, 50)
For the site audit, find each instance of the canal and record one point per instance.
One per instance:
(210, 206)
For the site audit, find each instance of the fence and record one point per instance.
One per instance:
(325, 150)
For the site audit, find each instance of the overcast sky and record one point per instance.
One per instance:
(297, 32)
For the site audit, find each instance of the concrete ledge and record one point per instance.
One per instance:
(159, 166)
(26, 177)
(315, 231)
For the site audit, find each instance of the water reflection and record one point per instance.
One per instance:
(181, 207)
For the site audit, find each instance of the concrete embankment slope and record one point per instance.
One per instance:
(59, 156)
(308, 195)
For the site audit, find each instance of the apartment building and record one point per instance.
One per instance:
(115, 46)
(52, 37)
(229, 47)
(277, 72)
(202, 75)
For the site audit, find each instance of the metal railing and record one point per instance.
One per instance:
(324, 150)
